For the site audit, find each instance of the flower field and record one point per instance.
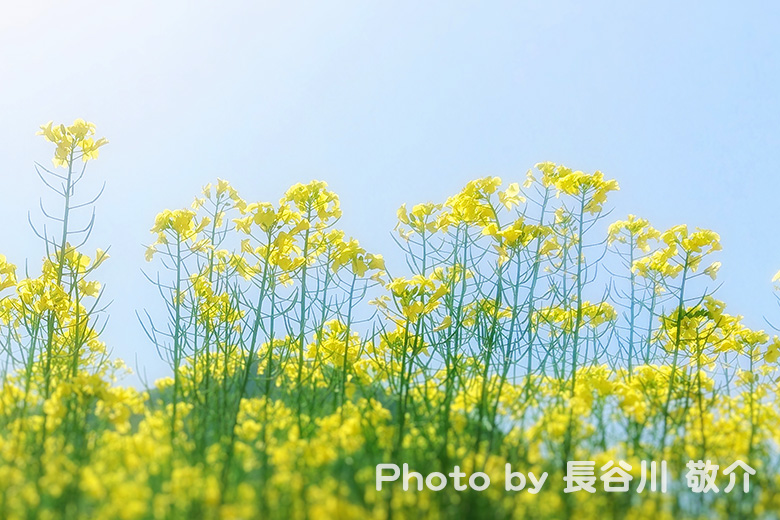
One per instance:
(515, 324)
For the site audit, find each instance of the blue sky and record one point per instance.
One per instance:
(397, 102)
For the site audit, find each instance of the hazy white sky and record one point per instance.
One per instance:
(397, 102)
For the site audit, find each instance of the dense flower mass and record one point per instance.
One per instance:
(518, 328)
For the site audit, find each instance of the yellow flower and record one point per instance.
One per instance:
(7, 273)
(773, 351)
(712, 270)
(511, 196)
(89, 288)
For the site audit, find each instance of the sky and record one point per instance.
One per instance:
(393, 102)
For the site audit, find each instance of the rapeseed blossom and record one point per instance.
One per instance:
(493, 343)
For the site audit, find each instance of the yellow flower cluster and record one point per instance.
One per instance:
(570, 317)
(314, 200)
(682, 251)
(73, 142)
(636, 231)
(592, 188)
(417, 296)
